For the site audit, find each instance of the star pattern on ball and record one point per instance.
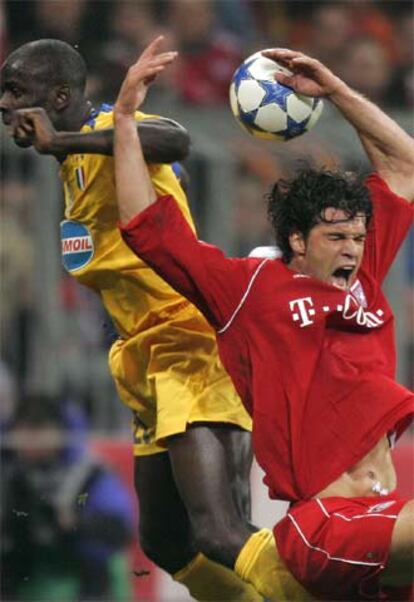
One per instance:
(264, 107)
(276, 93)
(242, 73)
(249, 117)
(293, 128)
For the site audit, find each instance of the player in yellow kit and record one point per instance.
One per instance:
(165, 363)
(192, 440)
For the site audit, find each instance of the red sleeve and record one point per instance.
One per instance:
(200, 272)
(391, 221)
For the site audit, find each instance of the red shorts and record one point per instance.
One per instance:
(337, 547)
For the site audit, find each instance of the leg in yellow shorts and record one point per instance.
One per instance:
(192, 465)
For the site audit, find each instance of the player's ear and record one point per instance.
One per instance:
(297, 243)
(61, 97)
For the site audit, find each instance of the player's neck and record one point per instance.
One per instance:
(74, 117)
(297, 265)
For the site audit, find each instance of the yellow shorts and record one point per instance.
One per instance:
(171, 376)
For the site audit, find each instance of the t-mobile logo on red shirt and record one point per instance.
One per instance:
(303, 310)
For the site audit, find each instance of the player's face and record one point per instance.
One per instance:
(333, 251)
(20, 90)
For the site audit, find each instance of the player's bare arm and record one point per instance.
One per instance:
(389, 148)
(134, 186)
(163, 140)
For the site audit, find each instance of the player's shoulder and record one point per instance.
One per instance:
(100, 118)
(270, 252)
(253, 266)
(376, 185)
(260, 256)
(386, 200)
(103, 117)
(380, 188)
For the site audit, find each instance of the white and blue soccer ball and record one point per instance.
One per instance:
(266, 108)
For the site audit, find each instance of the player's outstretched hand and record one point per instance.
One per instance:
(32, 127)
(135, 85)
(309, 76)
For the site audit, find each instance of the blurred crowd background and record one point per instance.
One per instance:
(54, 334)
(368, 43)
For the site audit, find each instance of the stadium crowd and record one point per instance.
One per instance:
(369, 44)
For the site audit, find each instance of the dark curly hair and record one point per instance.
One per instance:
(297, 205)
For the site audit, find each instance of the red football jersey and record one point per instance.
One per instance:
(313, 364)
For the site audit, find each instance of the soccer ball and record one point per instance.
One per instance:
(266, 108)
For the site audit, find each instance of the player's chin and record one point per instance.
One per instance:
(23, 142)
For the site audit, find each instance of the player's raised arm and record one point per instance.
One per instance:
(134, 187)
(389, 148)
(163, 140)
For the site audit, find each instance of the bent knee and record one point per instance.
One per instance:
(151, 546)
(218, 541)
(171, 552)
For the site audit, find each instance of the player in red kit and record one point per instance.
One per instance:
(307, 339)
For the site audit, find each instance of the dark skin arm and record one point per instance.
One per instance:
(163, 140)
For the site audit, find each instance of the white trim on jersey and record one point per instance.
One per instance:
(322, 507)
(244, 297)
(327, 554)
(356, 516)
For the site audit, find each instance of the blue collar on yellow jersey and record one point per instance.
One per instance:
(104, 108)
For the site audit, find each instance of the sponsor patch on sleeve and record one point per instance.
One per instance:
(77, 245)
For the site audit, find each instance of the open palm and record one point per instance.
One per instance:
(135, 85)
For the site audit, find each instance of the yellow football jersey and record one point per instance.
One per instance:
(166, 364)
(92, 248)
